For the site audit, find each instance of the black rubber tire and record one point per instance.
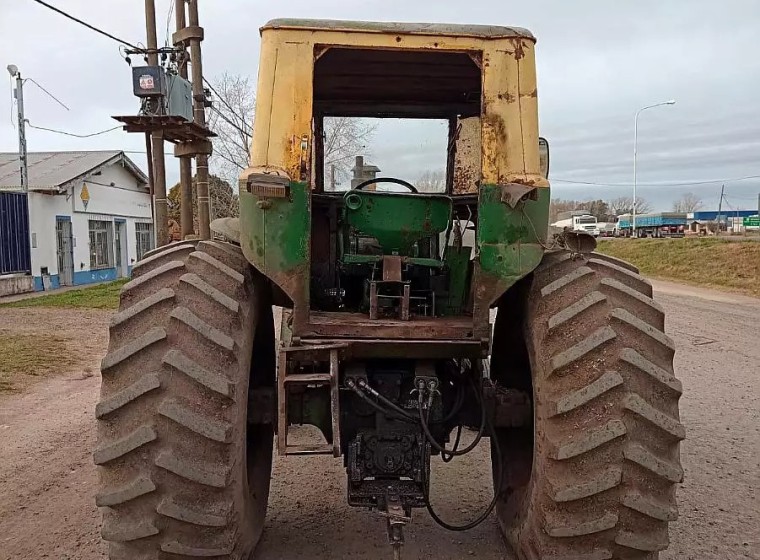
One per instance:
(180, 473)
(595, 477)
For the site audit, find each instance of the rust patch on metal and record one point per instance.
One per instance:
(391, 268)
(519, 51)
(508, 97)
(467, 160)
(494, 137)
(496, 123)
(358, 325)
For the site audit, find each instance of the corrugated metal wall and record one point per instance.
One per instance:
(14, 234)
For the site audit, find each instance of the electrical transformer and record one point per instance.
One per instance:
(173, 95)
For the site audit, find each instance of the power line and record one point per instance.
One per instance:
(89, 26)
(226, 104)
(168, 22)
(229, 122)
(30, 125)
(13, 102)
(685, 184)
(53, 97)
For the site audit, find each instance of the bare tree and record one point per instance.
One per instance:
(558, 205)
(689, 202)
(345, 138)
(224, 201)
(598, 208)
(231, 119)
(624, 205)
(431, 181)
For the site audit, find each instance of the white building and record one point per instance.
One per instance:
(90, 215)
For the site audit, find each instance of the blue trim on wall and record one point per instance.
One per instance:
(55, 283)
(81, 277)
(92, 276)
(129, 271)
(63, 218)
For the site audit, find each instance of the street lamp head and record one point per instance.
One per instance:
(671, 102)
(12, 70)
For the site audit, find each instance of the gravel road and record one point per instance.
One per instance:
(47, 479)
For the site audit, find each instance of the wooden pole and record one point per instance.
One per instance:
(157, 139)
(151, 181)
(185, 163)
(201, 160)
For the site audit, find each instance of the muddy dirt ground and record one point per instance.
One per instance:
(47, 479)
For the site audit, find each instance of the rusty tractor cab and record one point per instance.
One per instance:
(389, 303)
(387, 349)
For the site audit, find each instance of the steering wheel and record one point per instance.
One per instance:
(368, 182)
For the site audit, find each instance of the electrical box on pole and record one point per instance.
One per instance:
(173, 95)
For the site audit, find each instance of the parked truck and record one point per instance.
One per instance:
(659, 225)
(578, 221)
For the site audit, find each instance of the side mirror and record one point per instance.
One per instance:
(543, 156)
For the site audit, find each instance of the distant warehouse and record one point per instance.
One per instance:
(90, 219)
(734, 221)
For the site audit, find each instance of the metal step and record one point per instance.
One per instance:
(311, 378)
(329, 352)
(325, 449)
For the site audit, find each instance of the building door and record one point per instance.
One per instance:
(64, 248)
(120, 249)
(15, 252)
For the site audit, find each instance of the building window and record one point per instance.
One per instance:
(101, 244)
(144, 239)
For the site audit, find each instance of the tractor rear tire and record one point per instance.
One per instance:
(595, 477)
(181, 475)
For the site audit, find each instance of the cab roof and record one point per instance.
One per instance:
(436, 29)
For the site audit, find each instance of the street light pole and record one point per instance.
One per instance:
(22, 155)
(635, 153)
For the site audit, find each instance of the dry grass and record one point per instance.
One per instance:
(26, 356)
(718, 263)
(102, 296)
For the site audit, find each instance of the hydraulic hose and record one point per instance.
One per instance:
(445, 456)
(496, 491)
(454, 452)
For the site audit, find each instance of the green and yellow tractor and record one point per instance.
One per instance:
(399, 324)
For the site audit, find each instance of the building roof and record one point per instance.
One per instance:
(56, 171)
(444, 29)
(724, 214)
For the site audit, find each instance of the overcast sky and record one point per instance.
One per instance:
(598, 62)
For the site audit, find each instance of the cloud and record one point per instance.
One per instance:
(598, 62)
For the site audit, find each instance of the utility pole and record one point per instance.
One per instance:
(720, 207)
(195, 37)
(185, 163)
(160, 220)
(151, 179)
(22, 154)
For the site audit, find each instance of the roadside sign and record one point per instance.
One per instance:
(751, 221)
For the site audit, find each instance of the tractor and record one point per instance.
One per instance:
(395, 324)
